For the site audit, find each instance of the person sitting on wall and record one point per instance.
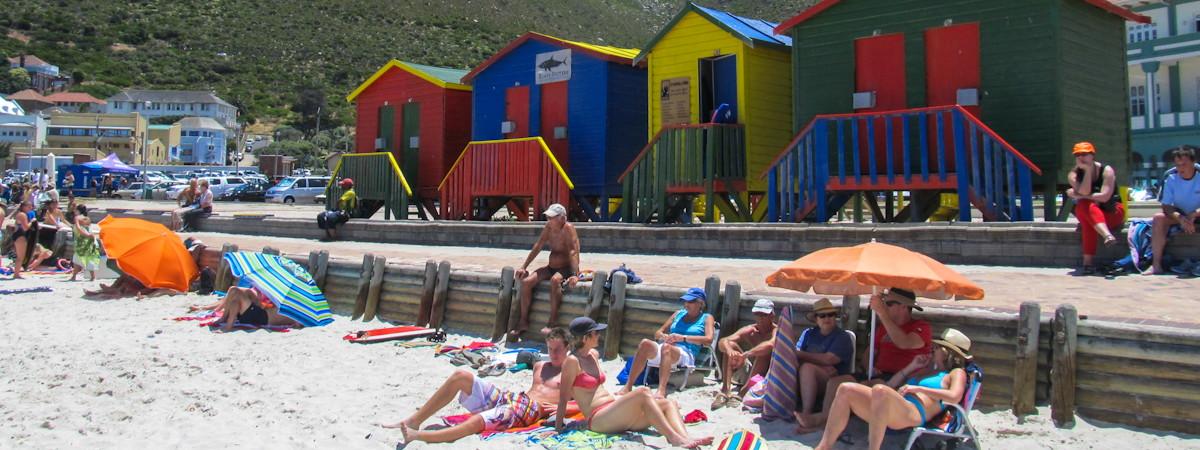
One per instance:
(204, 205)
(1097, 205)
(492, 408)
(562, 270)
(347, 203)
(824, 352)
(1180, 204)
(676, 343)
(899, 338)
(752, 343)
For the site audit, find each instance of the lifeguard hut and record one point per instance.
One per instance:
(422, 116)
(555, 121)
(719, 108)
(977, 98)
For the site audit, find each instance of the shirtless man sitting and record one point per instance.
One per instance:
(752, 343)
(563, 266)
(492, 408)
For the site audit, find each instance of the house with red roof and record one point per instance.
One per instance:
(76, 102)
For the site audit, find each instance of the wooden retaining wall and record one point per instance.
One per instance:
(1134, 375)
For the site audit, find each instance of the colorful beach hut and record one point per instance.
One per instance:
(719, 109)
(555, 121)
(976, 98)
(421, 115)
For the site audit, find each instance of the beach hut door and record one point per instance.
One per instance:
(410, 142)
(718, 86)
(879, 85)
(387, 123)
(952, 66)
(516, 111)
(554, 119)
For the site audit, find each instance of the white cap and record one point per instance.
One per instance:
(764, 305)
(555, 210)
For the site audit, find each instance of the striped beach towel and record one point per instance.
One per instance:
(780, 401)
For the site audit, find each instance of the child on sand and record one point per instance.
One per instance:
(87, 252)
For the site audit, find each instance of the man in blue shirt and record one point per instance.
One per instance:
(824, 351)
(1180, 203)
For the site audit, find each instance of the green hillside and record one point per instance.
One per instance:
(262, 55)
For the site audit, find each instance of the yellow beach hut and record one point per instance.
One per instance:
(719, 104)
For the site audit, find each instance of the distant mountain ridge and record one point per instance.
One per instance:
(260, 55)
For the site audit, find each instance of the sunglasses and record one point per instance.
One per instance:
(824, 315)
(892, 303)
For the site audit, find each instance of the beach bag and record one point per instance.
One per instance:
(755, 393)
(644, 378)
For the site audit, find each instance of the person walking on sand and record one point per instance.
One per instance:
(607, 413)
(563, 267)
(492, 408)
(87, 251)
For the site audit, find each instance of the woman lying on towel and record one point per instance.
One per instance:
(247, 306)
(924, 388)
(608, 413)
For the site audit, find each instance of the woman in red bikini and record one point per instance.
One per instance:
(608, 413)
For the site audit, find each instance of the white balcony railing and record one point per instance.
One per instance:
(1166, 120)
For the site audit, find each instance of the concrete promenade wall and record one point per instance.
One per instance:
(1010, 244)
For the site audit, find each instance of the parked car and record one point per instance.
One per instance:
(129, 191)
(293, 189)
(249, 192)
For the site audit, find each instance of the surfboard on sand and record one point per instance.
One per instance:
(388, 334)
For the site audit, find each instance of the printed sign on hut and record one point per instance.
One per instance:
(553, 66)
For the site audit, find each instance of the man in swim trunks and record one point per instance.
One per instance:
(563, 268)
(492, 408)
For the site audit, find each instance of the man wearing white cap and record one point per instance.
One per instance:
(563, 268)
(752, 343)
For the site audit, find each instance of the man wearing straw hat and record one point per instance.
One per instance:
(752, 343)
(823, 351)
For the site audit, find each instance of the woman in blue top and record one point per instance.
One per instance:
(688, 330)
(924, 387)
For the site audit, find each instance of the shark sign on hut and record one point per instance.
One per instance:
(553, 66)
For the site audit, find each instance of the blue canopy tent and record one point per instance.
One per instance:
(84, 173)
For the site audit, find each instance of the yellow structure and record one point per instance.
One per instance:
(123, 134)
(716, 57)
(162, 138)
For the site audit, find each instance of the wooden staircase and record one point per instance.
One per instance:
(684, 166)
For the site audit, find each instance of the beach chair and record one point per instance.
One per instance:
(706, 363)
(954, 422)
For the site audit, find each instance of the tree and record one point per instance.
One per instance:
(310, 103)
(306, 153)
(286, 133)
(14, 80)
(5, 150)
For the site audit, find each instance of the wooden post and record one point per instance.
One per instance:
(313, 256)
(322, 269)
(374, 288)
(270, 251)
(364, 280)
(616, 316)
(437, 313)
(729, 314)
(1025, 367)
(503, 304)
(597, 294)
(850, 311)
(712, 292)
(1062, 371)
(427, 293)
(224, 277)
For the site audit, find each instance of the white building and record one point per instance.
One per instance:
(175, 103)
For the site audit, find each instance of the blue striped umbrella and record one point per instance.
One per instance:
(283, 281)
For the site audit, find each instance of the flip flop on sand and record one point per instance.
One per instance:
(719, 402)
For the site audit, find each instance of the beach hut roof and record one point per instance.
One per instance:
(443, 77)
(826, 4)
(614, 54)
(751, 31)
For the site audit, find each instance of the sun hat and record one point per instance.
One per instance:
(584, 325)
(903, 296)
(1083, 147)
(555, 210)
(764, 306)
(821, 306)
(693, 294)
(346, 182)
(956, 342)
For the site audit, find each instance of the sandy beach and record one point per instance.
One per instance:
(120, 374)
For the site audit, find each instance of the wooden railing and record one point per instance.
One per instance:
(937, 148)
(522, 168)
(682, 158)
(378, 181)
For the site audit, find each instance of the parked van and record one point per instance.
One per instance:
(293, 189)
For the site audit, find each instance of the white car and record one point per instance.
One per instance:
(293, 189)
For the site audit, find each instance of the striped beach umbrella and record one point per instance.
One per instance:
(283, 281)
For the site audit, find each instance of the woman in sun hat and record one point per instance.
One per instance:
(677, 342)
(924, 387)
(823, 351)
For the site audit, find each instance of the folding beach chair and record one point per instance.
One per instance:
(706, 363)
(954, 422)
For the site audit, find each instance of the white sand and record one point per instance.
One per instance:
(120, 374)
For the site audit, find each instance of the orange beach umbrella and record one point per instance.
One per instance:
(866, 268)
(149, 252)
